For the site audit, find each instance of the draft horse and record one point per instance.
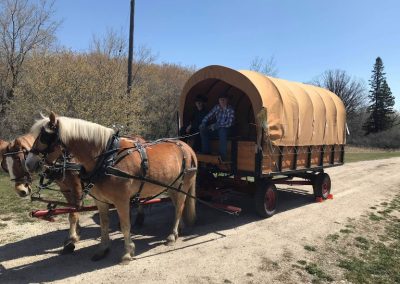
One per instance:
(169, 164)
(14, 154)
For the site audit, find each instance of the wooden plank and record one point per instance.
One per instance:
(327, 154)
(288, 158)
(246, 156)
(270, 159)
(315, 156)
(208, 159)
(214, 147)
(338, 154)
(302, 157)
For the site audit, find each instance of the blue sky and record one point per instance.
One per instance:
(305, 37)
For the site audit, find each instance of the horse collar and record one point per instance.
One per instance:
(106, 159)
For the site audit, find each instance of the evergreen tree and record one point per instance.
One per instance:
(381, 101)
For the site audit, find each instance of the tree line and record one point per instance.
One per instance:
(37, 75)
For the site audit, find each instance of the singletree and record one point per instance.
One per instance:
(381, 101)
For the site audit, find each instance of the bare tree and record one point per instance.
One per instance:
(112, 45)
(24, 26)
(351, 91)
(265, 66)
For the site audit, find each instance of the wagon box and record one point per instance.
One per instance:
(281, 128)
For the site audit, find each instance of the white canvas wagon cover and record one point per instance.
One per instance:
(291, 113)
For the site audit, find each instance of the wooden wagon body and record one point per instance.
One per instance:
(282, 128)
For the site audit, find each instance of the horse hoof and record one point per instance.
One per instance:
(100, 255)
(69, 247)
(126, 259)
(171, 240)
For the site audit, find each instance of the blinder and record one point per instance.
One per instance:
(48, 139)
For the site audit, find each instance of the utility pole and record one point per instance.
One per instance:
(130, 54)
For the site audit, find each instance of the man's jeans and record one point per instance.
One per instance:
(223, 134)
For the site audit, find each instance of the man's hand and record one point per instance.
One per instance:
(213, 126)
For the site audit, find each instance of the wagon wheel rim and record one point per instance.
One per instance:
(270, 200)
(325, 188)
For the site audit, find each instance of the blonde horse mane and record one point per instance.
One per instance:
(74, 128)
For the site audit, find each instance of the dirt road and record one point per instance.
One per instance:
(219, 249)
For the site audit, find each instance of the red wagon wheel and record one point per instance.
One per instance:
(266, 199)
(322, 185)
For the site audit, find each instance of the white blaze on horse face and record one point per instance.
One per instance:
(32, 162)
(22, 190)
(10, 167)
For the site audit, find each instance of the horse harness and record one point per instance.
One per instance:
(107, 161)
(57, 170)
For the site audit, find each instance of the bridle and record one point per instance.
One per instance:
(51, 140)
(26, 177)
(54, 170)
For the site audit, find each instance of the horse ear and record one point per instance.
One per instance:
(17, 143)
(3, 147)
(52, 117)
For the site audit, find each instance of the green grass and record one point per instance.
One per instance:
(16, 208)
(332, 237)
(309, 248)
(380, 261)
(313, 269)
(356, 157)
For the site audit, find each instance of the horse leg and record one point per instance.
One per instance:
(69, 244)
(104, 225)
(139, 221)
(179, 201)
(123, 210)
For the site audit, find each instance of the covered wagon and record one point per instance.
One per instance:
(283, 131)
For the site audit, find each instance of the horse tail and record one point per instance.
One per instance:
(189, 211)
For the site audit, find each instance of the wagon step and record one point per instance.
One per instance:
(211, 159)
(233, 209)
(214, 160)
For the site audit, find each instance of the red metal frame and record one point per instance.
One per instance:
(48, 214)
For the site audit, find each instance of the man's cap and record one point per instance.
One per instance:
(200, 98)
(223, 95)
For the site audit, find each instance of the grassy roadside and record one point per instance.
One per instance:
(367, 156)
(363, 251)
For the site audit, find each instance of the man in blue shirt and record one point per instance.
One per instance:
(225, 117)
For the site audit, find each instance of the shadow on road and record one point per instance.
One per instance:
(158, 221)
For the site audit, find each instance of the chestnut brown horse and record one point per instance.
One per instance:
(14, 154)
(14, 164)
(170, 164)
(3, 147)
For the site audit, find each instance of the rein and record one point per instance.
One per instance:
(16, 152)
(106, 162)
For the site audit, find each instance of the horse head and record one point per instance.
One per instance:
(83, 139)
(46, 146)
(14, 163)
